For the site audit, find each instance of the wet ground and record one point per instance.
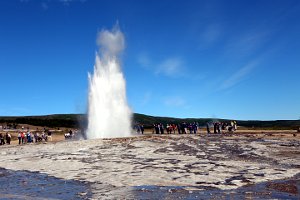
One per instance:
(155, 167)
(277, 189)
(35, 185)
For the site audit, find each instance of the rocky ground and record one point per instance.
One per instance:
(154, 167)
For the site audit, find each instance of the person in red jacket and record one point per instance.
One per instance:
(22, 137)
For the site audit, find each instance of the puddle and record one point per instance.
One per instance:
(35, 185)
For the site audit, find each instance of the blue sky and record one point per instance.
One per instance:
(225, 59)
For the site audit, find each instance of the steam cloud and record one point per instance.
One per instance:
(108, 111)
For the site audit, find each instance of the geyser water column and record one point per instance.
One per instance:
(108, 112)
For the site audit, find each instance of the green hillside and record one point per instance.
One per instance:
(79, 120)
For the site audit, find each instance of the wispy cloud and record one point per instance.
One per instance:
(210, 35)
(144, 60)
(246, 44)
(175, 101)
(172, 67)
(44, 5)
(239, 75)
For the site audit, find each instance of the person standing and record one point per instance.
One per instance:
(179, 128)
(219, 127)
(1, 139)
(215, 127)
(156, 128)
(8, 138)
(19, 138)
(195, 127)
(142, 128)
(207, 128)
(235, 125)
(161, 126)
(23, 137)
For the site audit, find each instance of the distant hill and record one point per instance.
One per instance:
(79, 120)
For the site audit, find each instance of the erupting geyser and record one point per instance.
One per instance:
(108, 111)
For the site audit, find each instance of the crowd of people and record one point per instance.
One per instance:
(191, 128)
(71, 134)
(25, 137)
(30, 137)
(182, 128)
(221, 127)
(3, 138)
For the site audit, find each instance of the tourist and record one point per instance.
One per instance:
(142, 128)
(35, 135)
(156, 128)
(235, 125)
(50, 135)
(44, 136)
(1, 139)
(219, 127)
(215, 127)
(185, 128)
(19, 137)
(23, 137)
(232, 125)
(207, 127)
(8, 138)
(190, 127)
(161, 127)
(174, 128)
(138, 129)
(195, 127)
(168, 129)
(179, 128)
(28, 137)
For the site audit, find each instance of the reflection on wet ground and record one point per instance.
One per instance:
(278, 189)
(35, 185)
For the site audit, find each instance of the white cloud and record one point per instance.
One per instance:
(172, 67)
(239, 75)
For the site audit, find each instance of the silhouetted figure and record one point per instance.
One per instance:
(219, 127)
(1, 139)
(161, 127)
(179, 128)
(207, 127)
(8, 138)
(215, 127)
(195, 127)
(183, 128)
(142, 128)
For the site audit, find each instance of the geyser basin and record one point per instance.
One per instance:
(108, 112)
